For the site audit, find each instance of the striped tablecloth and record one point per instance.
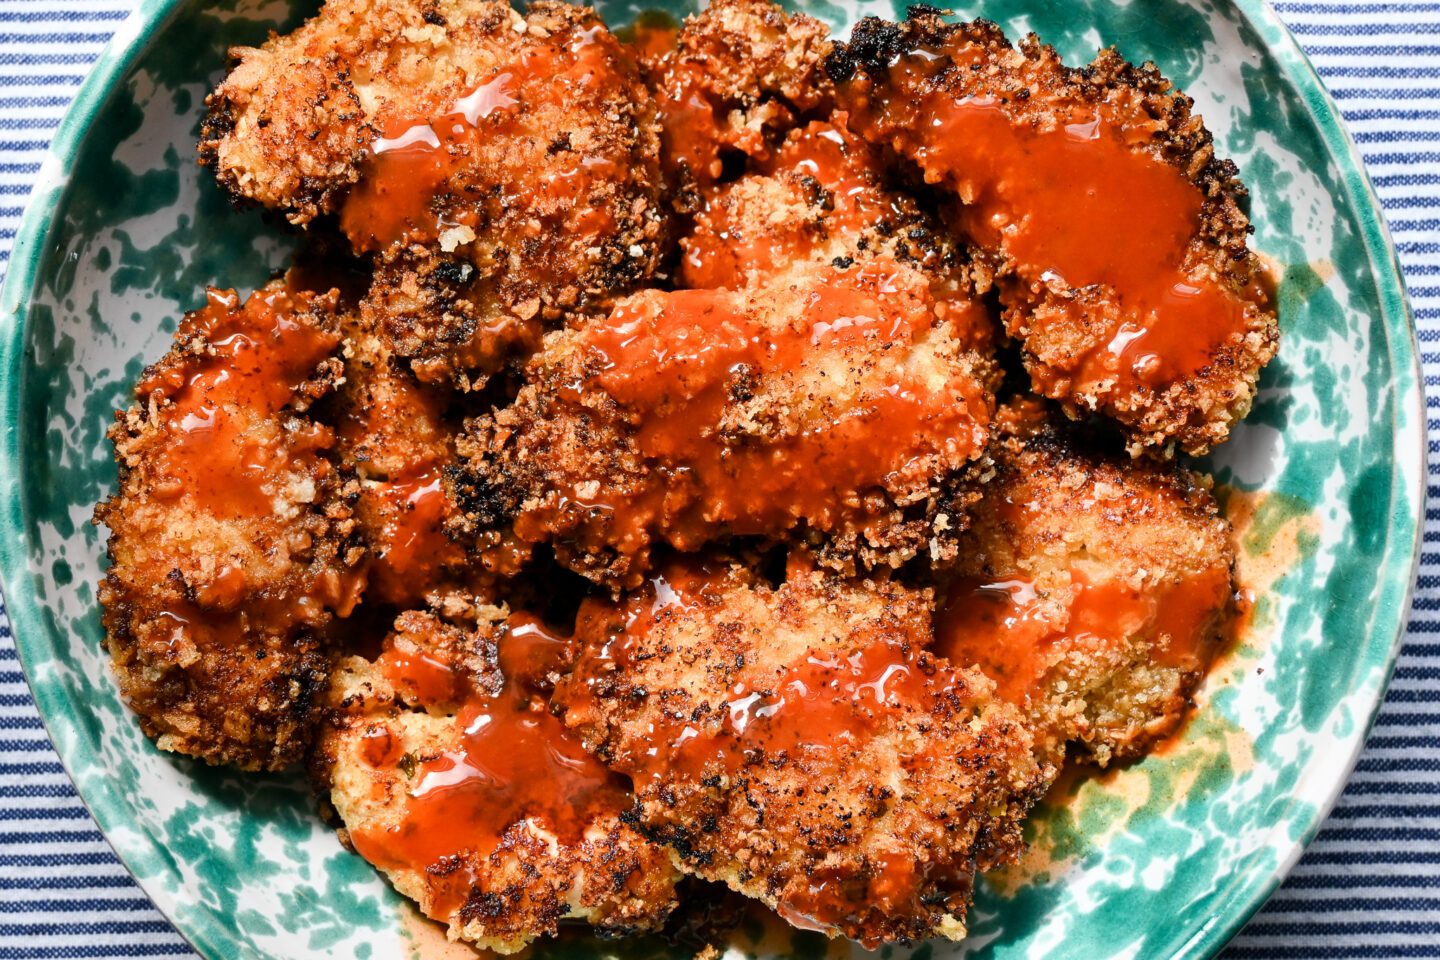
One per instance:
(1369, 886)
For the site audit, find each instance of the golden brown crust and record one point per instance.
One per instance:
(397, 434)
(1060, 326)
(1151, 557)
(734, 82)
(217, 604)
(798, 744)
(570, 463)
(613, 878)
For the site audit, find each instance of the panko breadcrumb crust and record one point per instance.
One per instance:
(294, 125)
(1151, 527)
(1036, 90)
(246, 695)
(532, 462)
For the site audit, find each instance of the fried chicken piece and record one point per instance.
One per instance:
(1093, 590)
(800, 744)
(826, 196)
(231, 545)
(1115, 234)
(829, 402)
(451, 776)
(733, 82)
(512, 158)
(397, 434)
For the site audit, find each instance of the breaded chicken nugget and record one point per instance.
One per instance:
(800, 744)
(828, 401)
(1115, 234)
(1093, 590)
(451, 776)
(733, 82)
(512, 158)
(232, 544)
(825, 196)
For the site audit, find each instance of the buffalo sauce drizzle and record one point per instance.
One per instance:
(259, 355)
(222, 450)
(509, 761)
(1079, 205)
(404, 191)
(411, 549)
(1015, 633)
(681, 366)
(819, 711)
(412, 546)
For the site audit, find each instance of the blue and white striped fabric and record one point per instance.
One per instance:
(1369, 886)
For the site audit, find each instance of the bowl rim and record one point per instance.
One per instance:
(209, 936)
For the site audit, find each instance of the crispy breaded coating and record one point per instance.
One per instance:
(231, 544)
(397, 435)
(504, 167)
(827, 402)
(1115, 233)
(430, 314)
(800, 744)
(827, 196)
(1094, 590)
(451, 776)
(734, 81)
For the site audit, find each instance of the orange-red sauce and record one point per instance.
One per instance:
(222, 452)
(680, 366)
(692, 123)
(1080, 205)
(405, 191)
(510, 762)
(821, 708)
(1014, 634)
(411, 549)
(219, 452)
(419, 675)
(818, 712)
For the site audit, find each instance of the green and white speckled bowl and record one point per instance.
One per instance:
(1164, 859)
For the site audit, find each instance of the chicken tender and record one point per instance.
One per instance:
(513, 158)
(734, 82)
(451, 776)
(1094, 591)
(1115, 233)
(799, 744)
(232, 544)
(829, 402)
(825, 196)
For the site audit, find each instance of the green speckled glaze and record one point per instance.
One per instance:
(1165, 858)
